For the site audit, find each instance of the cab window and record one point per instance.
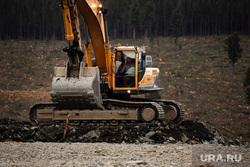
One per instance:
(125, 69)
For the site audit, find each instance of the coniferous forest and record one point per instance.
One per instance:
(42, 19)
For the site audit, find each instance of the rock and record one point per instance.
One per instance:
(206, 142)
(137, 127)
(171, 139)
(80, 138)
(192, 142)
(237, 142)
(214, 141)
(25, 128)
(136, 163)
(150, 134)
(171, 126)
(184, 138)
(230, 141)
(191, 132)
(94, 134)
(146, 140)
(34, 128)
(167, 127)
(147, 137)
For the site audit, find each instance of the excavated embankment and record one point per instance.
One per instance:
(188, 131)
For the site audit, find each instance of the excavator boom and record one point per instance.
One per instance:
(91, 11)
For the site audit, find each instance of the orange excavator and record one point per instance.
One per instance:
(97, 88)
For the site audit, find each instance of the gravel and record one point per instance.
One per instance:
(40, 154)
(190, 143)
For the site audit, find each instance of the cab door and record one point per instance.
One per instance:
(126, 70)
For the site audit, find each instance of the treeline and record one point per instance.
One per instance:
(42, 19)
(29, 19)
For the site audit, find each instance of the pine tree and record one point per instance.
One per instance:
(247, 84)
(234, 50)
(147, 17)
(134, 16)
(176, 24)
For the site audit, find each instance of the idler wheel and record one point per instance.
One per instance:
(148, 114)
(170, 112)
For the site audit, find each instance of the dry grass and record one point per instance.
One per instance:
(24, 95)
(199, 76)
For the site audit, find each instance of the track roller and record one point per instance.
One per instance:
(148, 114)
(170, 113)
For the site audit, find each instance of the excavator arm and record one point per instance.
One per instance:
(76, 86)
(67, 20)
(93, 14)
(73, 35)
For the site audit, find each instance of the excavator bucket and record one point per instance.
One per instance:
(81, 92)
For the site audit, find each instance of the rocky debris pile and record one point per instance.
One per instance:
(191, 132)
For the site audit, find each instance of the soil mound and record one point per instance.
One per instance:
(191, 132)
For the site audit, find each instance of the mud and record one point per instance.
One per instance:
(191, 132)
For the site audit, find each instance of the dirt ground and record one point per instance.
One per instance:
(40, 154)
(198, 77)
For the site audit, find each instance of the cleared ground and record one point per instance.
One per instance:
(111, 155)
(196, 73)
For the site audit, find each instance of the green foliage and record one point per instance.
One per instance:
(147, 16)
(247, 78)
(42, 19)
(176, 24)
(133, 17)
(248, 95)
(234, 50)
(133, 13)
(179, 74)
(247, 84)
(233, 47)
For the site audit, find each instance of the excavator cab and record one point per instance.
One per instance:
(125, 69)
(129, 68)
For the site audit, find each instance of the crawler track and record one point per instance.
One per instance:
(134, 111)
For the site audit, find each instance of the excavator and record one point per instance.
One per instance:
(97, 84)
